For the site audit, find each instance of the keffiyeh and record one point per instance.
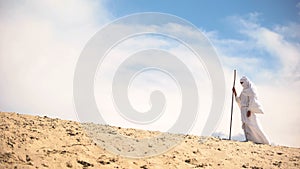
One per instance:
(250, 91)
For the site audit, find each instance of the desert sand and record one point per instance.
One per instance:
(41, 142)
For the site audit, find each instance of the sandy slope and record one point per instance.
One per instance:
(41, 142)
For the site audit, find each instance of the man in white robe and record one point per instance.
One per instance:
(250, 106)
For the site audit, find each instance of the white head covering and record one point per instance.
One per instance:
(248, 87)
(245, 82)
(250, 90)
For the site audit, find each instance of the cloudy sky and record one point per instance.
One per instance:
(41, 42)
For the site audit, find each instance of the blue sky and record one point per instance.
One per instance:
(222, 18)
(211, 14)
(41, 42)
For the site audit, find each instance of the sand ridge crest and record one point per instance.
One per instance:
(42, 142)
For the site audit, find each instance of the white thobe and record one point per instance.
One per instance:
(251, 126)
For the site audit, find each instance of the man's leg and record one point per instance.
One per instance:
(245, 131)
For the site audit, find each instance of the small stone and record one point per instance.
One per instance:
(144, 167)
(69, 164)
(201, 165)
(27, 158)
(102, 162)
(187, 161)
(84, 163)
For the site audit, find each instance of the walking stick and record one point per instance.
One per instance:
(232, 105)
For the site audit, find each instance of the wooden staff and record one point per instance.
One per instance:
(232, 105)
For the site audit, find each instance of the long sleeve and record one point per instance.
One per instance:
(238, 100)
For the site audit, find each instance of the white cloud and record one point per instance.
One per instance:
(39, 49)
(273, 49)
(146, 82)
(275, 44)
(40, 43)
(281, 116)
(289, 31)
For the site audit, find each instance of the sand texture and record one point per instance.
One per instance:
(41, 142)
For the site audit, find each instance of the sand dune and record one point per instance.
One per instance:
(42, 142)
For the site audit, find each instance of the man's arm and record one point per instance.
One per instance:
(237, 99)
(234, 91)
